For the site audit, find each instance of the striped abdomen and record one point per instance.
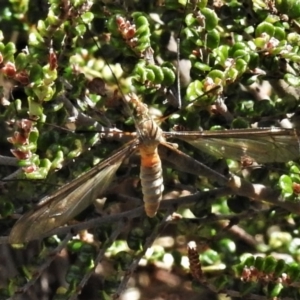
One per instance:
(151, 179)
(150, 136)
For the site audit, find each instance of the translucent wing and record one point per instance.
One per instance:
(263, 145)
(68, 201)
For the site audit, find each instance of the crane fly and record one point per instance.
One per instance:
(263, 145)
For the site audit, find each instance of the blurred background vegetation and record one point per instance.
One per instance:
(65, 66)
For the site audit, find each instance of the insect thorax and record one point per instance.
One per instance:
(150, 134)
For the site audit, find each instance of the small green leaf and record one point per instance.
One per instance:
(9, 49)
(35, 108)
(211, 18)
(209, 257)
(280, 267)
(22, 60)
(158, 73)
(212, 39)
(190, 20)
(87, 17)
(201, 66)
(216, 75)
(265, 27)
(141, 21)
(135, 238)
(270, 264)
(242, 54)
(6, 208)
(285, 183)
(194, 90)
(280, 33)
(293, 271)
(80, 29)
(241, 65)
(36, 74)
(274, 289)
(289, 7)
(75, 246)
(259, 263)
(169, 76)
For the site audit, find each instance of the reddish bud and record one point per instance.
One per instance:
(53, 60)
(130, 33)
(11, 140)
(21, 154)
(246, 274)
(22, 77)
(21, 138)
(120, 20)
(196, 52)
(18, 139)
(296, 188)
(25, 124)
(30, 169)
(9, 69)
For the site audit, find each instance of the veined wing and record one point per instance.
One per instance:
(68, 201)
(265, 145)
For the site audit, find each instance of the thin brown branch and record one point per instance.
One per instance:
(13, 175)
(260, 192)
(8, 161)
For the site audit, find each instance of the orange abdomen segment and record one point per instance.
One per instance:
(151, 180)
